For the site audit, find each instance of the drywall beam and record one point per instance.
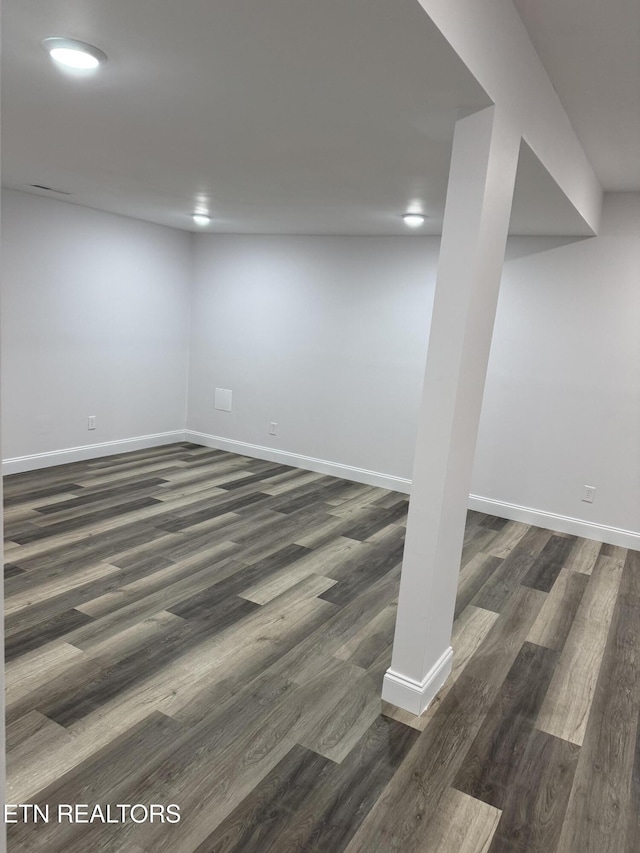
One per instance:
(492, 41)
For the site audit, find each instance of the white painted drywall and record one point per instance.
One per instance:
(562, 400)
(326, 336)
(95, 321)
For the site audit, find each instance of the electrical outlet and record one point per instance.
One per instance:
(273, 428)
(91, 422)
(589, 494)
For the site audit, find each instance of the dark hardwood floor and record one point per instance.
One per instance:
(188, 626)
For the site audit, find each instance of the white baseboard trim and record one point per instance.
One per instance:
(416, 696)
(528, 515)
(20, 464)
(514, 512)
(308, 463)
(560, 523)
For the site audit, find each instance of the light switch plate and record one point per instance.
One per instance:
(222, 399)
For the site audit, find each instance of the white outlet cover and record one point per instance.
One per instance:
(222, 399)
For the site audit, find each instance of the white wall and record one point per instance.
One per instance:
(95, 321)
(326, 336)
(562, 401)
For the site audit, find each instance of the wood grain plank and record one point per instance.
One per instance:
(79, 522)
(366, 566)
(495, 594)
(371, 640)
(21, 642)
(558, 612)
(583, 556)
(599, 815)
(509, 537)
(633, 816)
(25, 728)
(345, 723)
(36, 667)
(413, 794)
(495, 757)
(495, 656)
(308, 815)
(35, 590)
(565, 712)
(546, 568)
(24, 767)
(473, 576)
(133, 603)
(321, 561)
(56, 685)
(255, 824)
(210, 705)
(246, 759)
(377, 519)
(461, 825)
(100, 778)
(331, 816)
(535, 805)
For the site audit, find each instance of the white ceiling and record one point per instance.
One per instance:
(591, 51)
(282, 116)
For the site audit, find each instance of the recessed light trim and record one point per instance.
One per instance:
(74, 54)
(413, 220)
(201, 219)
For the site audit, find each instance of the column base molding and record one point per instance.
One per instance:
(416, 696)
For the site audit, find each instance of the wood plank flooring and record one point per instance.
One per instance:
(184, 625)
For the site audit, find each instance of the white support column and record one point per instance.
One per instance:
(481, 181)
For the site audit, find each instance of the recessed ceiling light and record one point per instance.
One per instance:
(74, 54)
(413, 220)
(201, 219)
